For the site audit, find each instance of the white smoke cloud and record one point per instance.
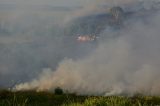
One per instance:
(29, 36)
(129, 63)
(126, 64)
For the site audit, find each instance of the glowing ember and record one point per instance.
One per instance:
(86, 38)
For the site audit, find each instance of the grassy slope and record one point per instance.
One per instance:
(32, 98)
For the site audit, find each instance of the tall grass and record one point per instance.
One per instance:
(16, 102)
(118, 101)
(33, 98)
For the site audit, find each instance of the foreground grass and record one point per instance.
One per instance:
(32, 98)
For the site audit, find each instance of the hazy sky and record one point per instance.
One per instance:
(48, 2)
(66, 3)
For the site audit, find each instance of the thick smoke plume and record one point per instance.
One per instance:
(125, 64)
(30, 39)
(33, 52)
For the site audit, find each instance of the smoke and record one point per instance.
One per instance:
(30, 38)
(127, 63)
(33, 51)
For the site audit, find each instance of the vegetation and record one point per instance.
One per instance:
(33, 98)
(58, 91)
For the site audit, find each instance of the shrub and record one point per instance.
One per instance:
(58, 91)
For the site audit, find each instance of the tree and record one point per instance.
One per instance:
(58, 91)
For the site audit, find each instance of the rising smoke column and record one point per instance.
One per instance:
(31, 41)
(125, 64)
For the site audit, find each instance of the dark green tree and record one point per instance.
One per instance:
(58, 91)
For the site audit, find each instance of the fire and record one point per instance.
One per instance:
(86, 38)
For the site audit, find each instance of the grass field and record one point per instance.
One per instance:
(33, 98)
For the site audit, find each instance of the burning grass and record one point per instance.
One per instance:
(33, 98)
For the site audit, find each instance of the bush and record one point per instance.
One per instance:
(58, 91)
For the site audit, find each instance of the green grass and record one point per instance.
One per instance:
(33, 98)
